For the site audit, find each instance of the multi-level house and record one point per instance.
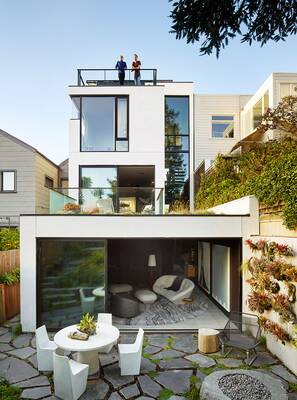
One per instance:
(116, 237)
(25, 176)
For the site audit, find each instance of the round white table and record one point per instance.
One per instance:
(99, 292)
(87, 351)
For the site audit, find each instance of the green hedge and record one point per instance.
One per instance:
(268, 171)
(9, 239)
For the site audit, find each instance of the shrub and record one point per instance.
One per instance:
(10, 278)
(268, 171)
(8, 392)
(9, 239)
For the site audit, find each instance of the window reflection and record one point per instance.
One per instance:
(222, 126)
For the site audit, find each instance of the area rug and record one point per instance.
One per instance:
(164, 312)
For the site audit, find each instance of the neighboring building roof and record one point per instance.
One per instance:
(25, 145)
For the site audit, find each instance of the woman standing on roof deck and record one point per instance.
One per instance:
(136, 69)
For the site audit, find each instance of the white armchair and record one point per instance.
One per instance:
(130, 355)
(45, 349)
(164, 282)
(70, 378)
(87, 302)
(105, 318)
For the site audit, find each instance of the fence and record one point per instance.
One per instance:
(9, 260)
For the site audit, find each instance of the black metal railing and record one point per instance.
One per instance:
(109, 76)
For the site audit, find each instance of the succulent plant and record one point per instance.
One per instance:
(87, 324)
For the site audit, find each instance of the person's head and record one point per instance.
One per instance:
(121, 58)
(135, 57)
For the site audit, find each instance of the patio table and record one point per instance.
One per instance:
(87, 351)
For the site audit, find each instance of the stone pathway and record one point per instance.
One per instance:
(168, 366)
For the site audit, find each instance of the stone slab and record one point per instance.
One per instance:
(264, 358)
(201, 360)
(186, 343)
(151, 349)
(108, 358)
(22, 340)
(149, 386)
(14, 370)
(33, 361)
(158, 340)
(3, 330)
(130, 391)
(176, 363)
(23, 353)
(147, 366)
(36, 393)
(229, 362)
(177, 380)
(97, 389)
(170, 354)
(281, 371)
(115, 396)
(4, 347)
(112, 375)
(38, 381)
(6, 338)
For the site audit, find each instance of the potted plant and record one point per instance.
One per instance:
(9, 294)
(71, 208)
(87, 324)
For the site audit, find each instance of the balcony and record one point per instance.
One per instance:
(109, 77)
(107, 201)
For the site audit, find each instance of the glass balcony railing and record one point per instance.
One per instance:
(109, 77)
(112, 200)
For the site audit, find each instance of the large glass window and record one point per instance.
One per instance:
(176, 148)
(104, 123)
(259, 109)
(98, 188)
(222, 126)
(7, 181)
(71, 280)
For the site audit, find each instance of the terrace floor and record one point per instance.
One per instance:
(167, 366)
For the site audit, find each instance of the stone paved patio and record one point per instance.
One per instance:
(168, 365)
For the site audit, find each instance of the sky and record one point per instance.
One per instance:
(43, 42)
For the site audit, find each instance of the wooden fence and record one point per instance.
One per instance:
(9, 260)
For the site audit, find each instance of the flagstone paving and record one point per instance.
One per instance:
(168, 365)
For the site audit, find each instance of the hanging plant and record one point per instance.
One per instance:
(275, 329)
(291, 292)
(280, 303)
(259, 302)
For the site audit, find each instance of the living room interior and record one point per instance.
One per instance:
(149, 282)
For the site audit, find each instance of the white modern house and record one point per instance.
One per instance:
(113, 231)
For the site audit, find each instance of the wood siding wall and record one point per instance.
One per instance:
(16, 157)
(9, 260)
(44, 168)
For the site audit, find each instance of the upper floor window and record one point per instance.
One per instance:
(288, 89)
(104, 123)
(8, 181)
(259, 109)
(222, 126)
(48, 182)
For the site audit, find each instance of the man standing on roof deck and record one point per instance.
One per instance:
(136, 69)
(121, 66)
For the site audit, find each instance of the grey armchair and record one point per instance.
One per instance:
(242, 331)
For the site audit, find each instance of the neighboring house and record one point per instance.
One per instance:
(25, 175)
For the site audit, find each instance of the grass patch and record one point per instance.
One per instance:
(153, 374)
(8, 392)
(165, 394)
(207, 370)
(170, 342)
(193, 392)
(293, 387)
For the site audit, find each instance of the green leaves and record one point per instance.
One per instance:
(10, 278)
(9, 239)
(165, 394)
(268, 171)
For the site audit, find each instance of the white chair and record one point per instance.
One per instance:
(87, 303)
(105, 206)
(105, 318)
(70, 377)
(130, 355)
(45, 349)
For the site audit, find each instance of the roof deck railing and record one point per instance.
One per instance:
(109, 76)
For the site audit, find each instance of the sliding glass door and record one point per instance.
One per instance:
(71, 280)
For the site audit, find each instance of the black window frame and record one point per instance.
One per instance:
(1, 181)
(116, 138)
(46, 177)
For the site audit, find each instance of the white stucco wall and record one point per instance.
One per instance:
(91, 226)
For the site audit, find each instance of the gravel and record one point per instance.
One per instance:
(243, 387)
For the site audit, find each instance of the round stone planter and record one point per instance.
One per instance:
(210, 389)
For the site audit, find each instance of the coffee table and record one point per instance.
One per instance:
(87, 351)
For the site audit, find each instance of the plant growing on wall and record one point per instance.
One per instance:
(267, 269)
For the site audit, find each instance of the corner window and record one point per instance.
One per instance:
(104, 123)
(259, 109)
(48, 182)
(222, 126)
(8, 181)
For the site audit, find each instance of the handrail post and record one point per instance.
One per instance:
(155, 77)
(78, 77)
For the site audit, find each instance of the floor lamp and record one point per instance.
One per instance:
(152, 264)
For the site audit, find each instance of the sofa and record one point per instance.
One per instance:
(164, 282)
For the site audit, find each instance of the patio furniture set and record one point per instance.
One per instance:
(70, 376)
